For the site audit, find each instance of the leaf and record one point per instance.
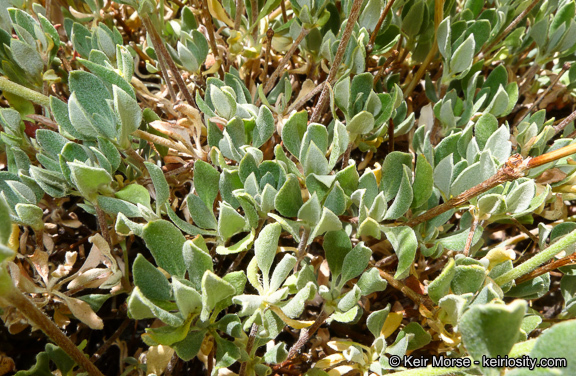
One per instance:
(135, 194)
(315, 162)
(491, 330)
(371, 281)
(336, 246)
(160, 185)
(499, 144)
(412, 22)
(468, 279)
(206, 180)
(339, 143)
(391, 174)
(188, 348)
(224, 102)
(242, 245)
(444, 38)
(27, 57)
(355, 262)
(265, 249)
(214, 290)
(264, 128)
(281, 271)
(88, 179)
(293, 132)
(520, 197)
(362, 123)
(189, 301)
(229, 221)
(289, 198)
(328, 222)
(129, 114)
(151, 282)
(82, 311)
(423, 182)
(311, 210)
(462, 58)
(403, 199)
(202, 215)
(421, 337)
(5, 224)
(404, 242)
(375, 321)
(486, 125)
(197, 261)
(165, 243)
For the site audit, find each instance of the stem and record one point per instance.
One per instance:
(238, 16)
(558, 128)
(527, 78)
(302, 246)
(253, 18)
(513, 169)
(537, 260)
(380, 22)
(163, 52)
(307, 97)
(29, 309)
(547, 268)
(534, 105)
(132, 153)
(398, 285)
(510, 27)
(103, 224)
(164, 70)
(283, 8)
(269, 35)
(24, 92)
(272, 80)
(438, 16)
(102, 349)
(305, 337)
(523, 228)
(470, 237)
(249, 346)
(551, 156)
(160, 141)
(323, 101)
(212, 35)
(346, 155)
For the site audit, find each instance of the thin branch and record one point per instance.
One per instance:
(249, 346)
(269, 35)
(346, 155)
(161, 50)
(510, 27)
(102, 349)
(253, 18)
(103, 224)
(568, 260)
(323, 101)
(560, 127)
(302, 246)
(470, 237)
(513, 169)
(297, 105)
(391, 137)
(161, 141)
(380, 22)
(523, 228)
(398, 285)
(238, 16)
(272, 80)
(212, 35)
(304, 338)
(33, 313)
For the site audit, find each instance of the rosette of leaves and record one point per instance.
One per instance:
(26, 59)
(190, 307)
(495, 96)
(367, 113)
(233, 122)
(311, 13)
(101, 41)
(554, 31)
(347, 263)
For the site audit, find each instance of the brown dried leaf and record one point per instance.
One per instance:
(40, 261)
(158, 358)
(82, 311)
(550, 176)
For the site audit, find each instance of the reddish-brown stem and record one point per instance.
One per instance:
(398, 285)
(570, 259)
(212, 36)
(238, 17)
(103, 224)
(269, 35)
(380, 22)
(560, 127)
(470, 237)
(165, 55)
(272, 80)
(510, 27)
(511, 170)
(304, 338)
(29, 309)
(323, 101)
(110, 340)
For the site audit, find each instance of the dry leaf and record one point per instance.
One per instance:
(82, 311)
(158, 358)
